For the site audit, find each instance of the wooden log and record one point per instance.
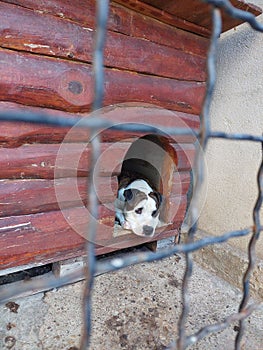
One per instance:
(149, 9)
(25, 30)
(200, 13)
(160, 32)
(151, 116)
(186, 155)
(123, 20)
(38, 237)
(131, 240)
(167, 93)
(60, 84)
(20, 197)
(14, 134)
(180, 184)
(175, 211)
(46, 237)
(71, 160)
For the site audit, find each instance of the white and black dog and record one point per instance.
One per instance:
(138, 206)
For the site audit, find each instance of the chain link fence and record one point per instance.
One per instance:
(94, 124)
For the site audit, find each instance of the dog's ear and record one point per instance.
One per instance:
(133, 197)
(157, 197)
(128, 194)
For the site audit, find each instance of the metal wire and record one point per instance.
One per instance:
(199, 174)
(251, 255)
(101, 25)
(204, 134)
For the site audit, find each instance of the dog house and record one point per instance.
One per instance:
(155, 73)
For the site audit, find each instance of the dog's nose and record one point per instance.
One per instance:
(147, 230)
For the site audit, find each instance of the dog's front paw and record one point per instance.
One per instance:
(125, 225)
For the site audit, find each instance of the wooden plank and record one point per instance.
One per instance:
(26, 30)
(25, 239)
(124, 20)
(176, 210)
(50, 280)
(156, 31)
(12, 135)
(158, 13)
(20, 197)
(181, 182)
(191, 17)
(199, 13)
(186, 156)
(60, 84)
(48, 237)
(71, 160)
(51, 160)
(30, 196)
(147, 57)
(167, 93)
(148, 115)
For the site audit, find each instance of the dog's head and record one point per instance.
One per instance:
(141, 211)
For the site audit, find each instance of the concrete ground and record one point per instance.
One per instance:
(133, 309)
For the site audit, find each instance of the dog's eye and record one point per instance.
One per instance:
(138, 211)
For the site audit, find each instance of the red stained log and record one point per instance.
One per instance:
(148, 115)
(14, 134)
(156, 31)
(131, 240)
(26, 30)
(180, 184)
(71, 160)
(37, 237)
(48, 237)
(60, 84)
(186, 155)
(175, 210)
(20, 197)
(123, 20)
(176, 95)
(199, 13)
(158, 12)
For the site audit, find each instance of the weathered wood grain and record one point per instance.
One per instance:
(175, 210)
(199, 13)
(123, 20)
(180, 184)
(71, 160)
(31, 238)
(60, 84)
(14, 134)
(160, 32)
(46, 237)
(157, 12)
(172, 94)
(26, 30)
(29, 196)
(186, 155)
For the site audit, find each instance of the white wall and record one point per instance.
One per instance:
(237, 108)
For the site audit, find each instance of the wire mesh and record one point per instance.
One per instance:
(204, 134)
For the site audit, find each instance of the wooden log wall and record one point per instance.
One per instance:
(45, 58)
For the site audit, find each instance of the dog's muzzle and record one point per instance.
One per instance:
(147, 230)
